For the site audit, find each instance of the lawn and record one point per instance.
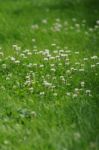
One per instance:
(49, 75)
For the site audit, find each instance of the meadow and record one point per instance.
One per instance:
(49, 75)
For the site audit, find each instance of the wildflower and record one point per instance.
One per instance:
(53, 69)
(97, 22)
(85, 59)
(81, 70)
(35, 27)
(33, 114)
(55, 94)
(88, 91)
(76, 52)
(82, 84)
(4, 66)
(1, 53)
(6, 142)
(53, 44)
(42, 93)
(74, 19)
(13, 58)
(94, 57)
(47, 84)
(17, 62)
(44, 21)
(46, 59)
(75, 95)
(33, 40)
(68, 94)
(41, 66)
(77, 25)
(93, 66)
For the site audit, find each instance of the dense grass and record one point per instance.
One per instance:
(49, 75)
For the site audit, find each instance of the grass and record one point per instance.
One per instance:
(49, 78)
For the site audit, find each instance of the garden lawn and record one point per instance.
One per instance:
(49, 75)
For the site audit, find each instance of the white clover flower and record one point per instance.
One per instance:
(41, 66)
(76, 89)
(76, 52)
(61, 51)
(85, 59)
(31, 89)
(93, 66)
(1, 54)
(91, 29)
(57, 56)
(29, 65)
(23, 55)
(72, 68)
(94, 57)
(68, 71)
(6, 142)
(44, 21)
(7, 78)
(29, 53)
(74, 19)
(68, 94)
(77, 63)
(17, 62)
(53, 44)
(96, 27)
(60, 64)
(97, 63)
(81, 70)
(67, 59)
(47, 84)
(45, 59)
(68, 51)
(35, 26)
(55, 51)
(13, 58)
(63, 55)
(52, 65)
(33, 40)
(57, 19)
(75, 95)
(49, 56)
(77, 25)
(55, 94)
(52, 58)
(4, 66)
(14, 46)
(88, 91)
(53, 69)
(82, 65)
(42, 93)
(34, 65)
(82, 84)
(97, 22)
(33, 114)
(54, 78)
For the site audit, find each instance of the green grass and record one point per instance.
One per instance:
(49, 75)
